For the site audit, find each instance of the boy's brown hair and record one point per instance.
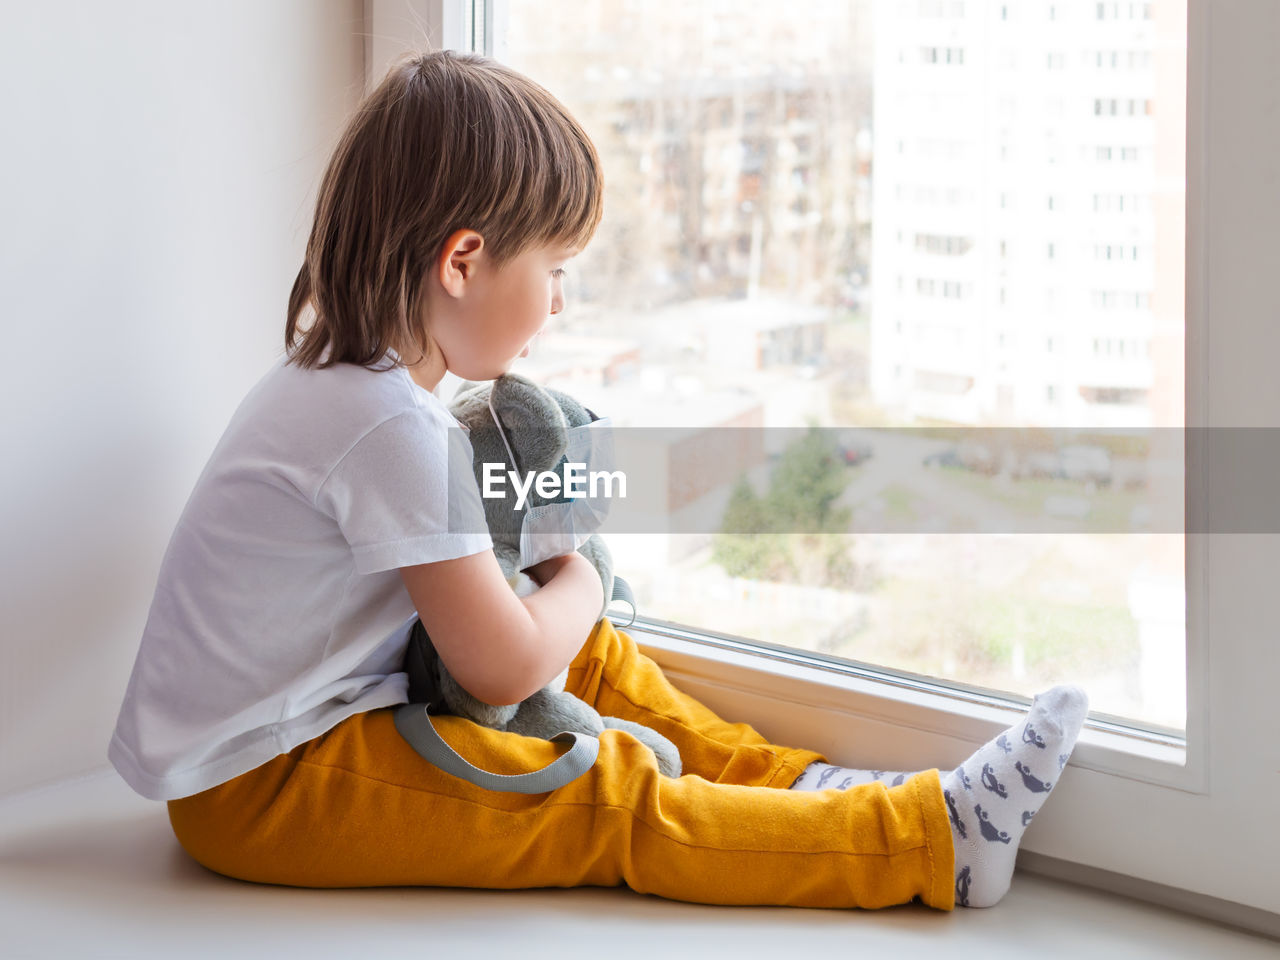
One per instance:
(447, 141)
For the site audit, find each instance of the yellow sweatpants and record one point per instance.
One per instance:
(357, 807)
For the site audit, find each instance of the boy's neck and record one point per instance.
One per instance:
(429, 371)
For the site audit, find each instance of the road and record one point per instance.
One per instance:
(897, 461)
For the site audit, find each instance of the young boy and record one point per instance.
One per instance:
(259, 705)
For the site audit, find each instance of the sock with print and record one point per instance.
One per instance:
(826, 776)
(993, 795)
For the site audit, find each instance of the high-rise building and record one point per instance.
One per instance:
(1016, 210)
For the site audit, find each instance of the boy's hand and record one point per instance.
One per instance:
(544, 570)
(502, 648)
(573, 574)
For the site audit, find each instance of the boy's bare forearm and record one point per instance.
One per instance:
(564, 610)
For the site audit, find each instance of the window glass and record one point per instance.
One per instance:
(953, 230)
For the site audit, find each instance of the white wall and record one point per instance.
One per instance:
(157, 181)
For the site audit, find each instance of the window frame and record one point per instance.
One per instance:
(1185, 818)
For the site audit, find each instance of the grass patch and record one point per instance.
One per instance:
(950, 627)
(899, 502)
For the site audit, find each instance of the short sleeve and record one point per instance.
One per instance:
(406, 494)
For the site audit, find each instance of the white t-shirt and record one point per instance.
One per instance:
(279, 610)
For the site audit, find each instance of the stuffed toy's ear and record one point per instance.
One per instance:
(575, 414)
(470, 405)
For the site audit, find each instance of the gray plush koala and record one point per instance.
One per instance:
(535, 421)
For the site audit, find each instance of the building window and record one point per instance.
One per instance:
(784, 238)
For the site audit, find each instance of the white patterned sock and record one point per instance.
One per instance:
(826, 776)
(993, 795)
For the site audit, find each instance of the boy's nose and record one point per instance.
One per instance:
(557, 301)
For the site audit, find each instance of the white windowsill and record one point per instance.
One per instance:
(790, 692)
(89, 868)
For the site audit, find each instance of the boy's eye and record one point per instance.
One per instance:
(558, 272)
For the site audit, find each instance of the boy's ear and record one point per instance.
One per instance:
(458, 260)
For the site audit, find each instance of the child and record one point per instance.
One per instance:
(260, 703)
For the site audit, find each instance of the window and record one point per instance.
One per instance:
(784, 254)
(1148, 794)
(942, 245)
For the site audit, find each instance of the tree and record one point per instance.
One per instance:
(808, 480)
(747, 546)
(792, 534)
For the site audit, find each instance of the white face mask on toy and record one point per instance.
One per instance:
(561, 527)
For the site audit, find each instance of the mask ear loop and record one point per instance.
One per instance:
(502, 433)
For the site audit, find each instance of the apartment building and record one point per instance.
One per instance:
(1018, 211)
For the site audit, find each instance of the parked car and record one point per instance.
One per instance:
(978, 457)
(1087, 463)
(967, 456)
(854, 452)
(1081, 462)
(1044, 465)
(950, 457)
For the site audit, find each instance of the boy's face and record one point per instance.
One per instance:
(491, 314)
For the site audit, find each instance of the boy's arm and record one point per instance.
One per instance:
(500, 647)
